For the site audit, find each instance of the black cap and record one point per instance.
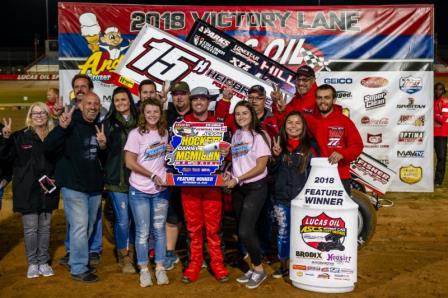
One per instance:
(305, 71)
(257, 89)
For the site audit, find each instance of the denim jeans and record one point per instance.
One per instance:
(36, 229)
(81, 210)
(95, 240)
(149, 211)
(282, 213)
(124, 228)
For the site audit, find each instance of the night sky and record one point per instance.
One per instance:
(25, 20)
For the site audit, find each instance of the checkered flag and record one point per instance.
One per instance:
(314, 61)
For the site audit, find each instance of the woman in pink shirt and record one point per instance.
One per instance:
(145, 157)
(250, 154)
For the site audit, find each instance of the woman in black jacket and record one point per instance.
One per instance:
(33, 192)
(120, 120)
(292, 153)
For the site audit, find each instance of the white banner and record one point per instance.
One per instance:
(391, 111)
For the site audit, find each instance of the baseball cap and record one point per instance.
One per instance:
(257, 89)
(305, 71)
(180, 87)
(200, 92)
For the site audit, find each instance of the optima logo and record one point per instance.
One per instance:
(408, 137)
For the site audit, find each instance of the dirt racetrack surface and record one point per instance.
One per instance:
(408, 257)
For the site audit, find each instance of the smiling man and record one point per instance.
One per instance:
(337, 136)
(75, 145)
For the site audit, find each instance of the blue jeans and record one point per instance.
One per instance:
(282, 213)
(124, 227)
(81, 210)
(149, 211)
(95, 240)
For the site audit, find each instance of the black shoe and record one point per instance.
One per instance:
(279, 273)
(86, 277)
(186, 280)
(94, 258)
(89, 268)
(64, 260)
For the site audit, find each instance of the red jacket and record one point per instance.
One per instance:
(192, 118)
(440, 117)
(305, 104)
(336, 132)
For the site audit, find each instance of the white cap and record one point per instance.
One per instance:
(89, 24)
(111, 29)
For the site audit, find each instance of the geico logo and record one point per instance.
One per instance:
(338, 81)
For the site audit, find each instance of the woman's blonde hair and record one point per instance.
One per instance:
(28, 122)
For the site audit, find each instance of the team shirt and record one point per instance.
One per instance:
(246, 149)
(150, 149)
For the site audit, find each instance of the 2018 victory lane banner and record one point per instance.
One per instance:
(95, 37)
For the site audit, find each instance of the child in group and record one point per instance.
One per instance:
(250, 155)
(292, 152)
(145, 156)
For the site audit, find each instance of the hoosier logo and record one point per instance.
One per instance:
(411, 174)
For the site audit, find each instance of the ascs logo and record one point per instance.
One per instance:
(340, 81)
(411, 84)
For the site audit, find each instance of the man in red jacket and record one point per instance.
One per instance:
(337, 136)
(303, 101)
(440, 131)
(203, 207)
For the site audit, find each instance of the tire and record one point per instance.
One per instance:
(366, 218)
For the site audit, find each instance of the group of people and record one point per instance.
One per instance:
(83, 154)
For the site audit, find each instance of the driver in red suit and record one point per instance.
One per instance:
(203, 207)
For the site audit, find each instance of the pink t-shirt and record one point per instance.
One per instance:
(150, 149)
(245, 151)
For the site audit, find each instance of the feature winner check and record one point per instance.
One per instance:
(160, 57)
(196, 155)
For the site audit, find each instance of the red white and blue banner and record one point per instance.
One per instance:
(379, 58)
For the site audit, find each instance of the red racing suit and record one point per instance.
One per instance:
(440, 117)
(203, 207)
(336, 132)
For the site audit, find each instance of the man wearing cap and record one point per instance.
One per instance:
(203, 207)
(177, 110)
(304, 99)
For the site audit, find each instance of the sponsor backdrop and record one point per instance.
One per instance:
(379, 58)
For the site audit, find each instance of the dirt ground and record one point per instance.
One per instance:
(406, 258)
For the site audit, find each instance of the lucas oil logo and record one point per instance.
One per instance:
(411, 84)
(323, 233)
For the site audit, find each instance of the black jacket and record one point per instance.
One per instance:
(77, 155)
(116, 173)
(288, 182)
(25, 150)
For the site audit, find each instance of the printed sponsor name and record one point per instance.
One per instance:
(411, 105)
(341, 81)
(411, 84)
(411, 120)
(338, 258)
(374, 82)
(408, 137)
(343, 95)
(411, 153)
(373, 101)
(309, 255)
(368, 121)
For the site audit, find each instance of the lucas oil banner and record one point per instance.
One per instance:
(379, 58)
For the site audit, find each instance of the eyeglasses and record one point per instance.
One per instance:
(254, 98)
(39, 114)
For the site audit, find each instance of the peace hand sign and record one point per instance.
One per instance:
(276, 148)
(58, 107)
(66, 118)
(278, 97)
(162, 96)
(100, 136)
(6, 131)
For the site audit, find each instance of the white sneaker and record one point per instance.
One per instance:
(145, 278)
(33, 271)
(161, 277)
(45, 270)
